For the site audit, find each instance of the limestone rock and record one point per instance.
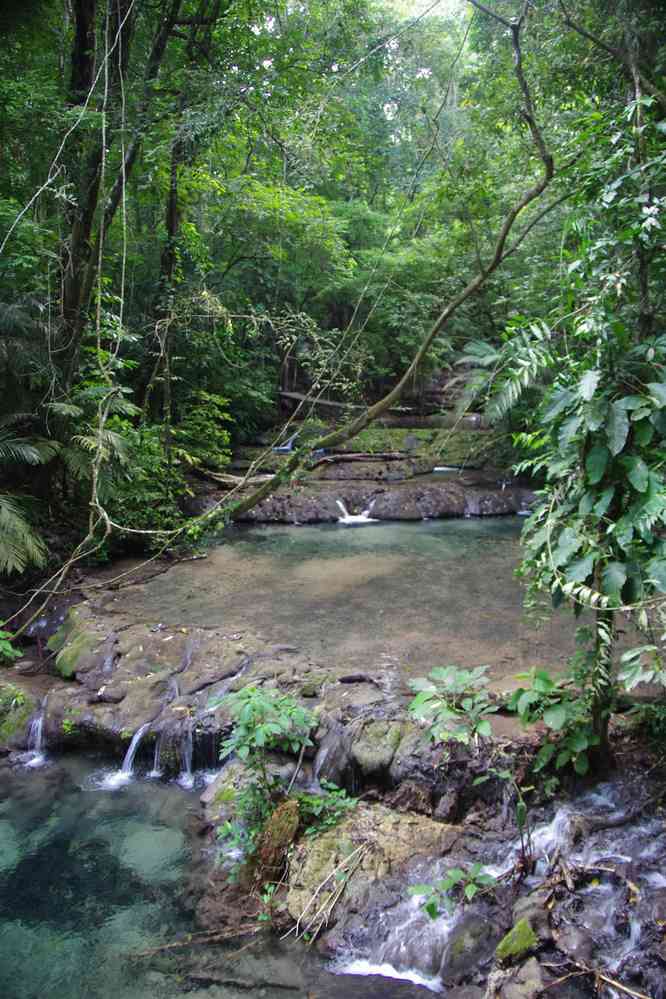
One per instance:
(532, 907)
(411, 796)
(376, 840)
(374, 747)
(16, 707)
(470, 945)
(524, 982)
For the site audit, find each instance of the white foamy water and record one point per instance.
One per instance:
(363, 967)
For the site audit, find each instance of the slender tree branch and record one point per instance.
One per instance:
(616, 54)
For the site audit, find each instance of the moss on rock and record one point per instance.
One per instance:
(16, 707)
(375, 747)
(520, 939)
(81, 644)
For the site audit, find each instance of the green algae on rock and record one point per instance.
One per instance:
(520, 939)
(15, 709)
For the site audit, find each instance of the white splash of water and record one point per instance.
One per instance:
(363, 967)
(355, 519)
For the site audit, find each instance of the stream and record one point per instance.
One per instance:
(99, 861)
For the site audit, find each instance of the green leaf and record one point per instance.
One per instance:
(658, 393)
(568, 544)
(521, 814)
(470, 892)
(545, 755)
(604, 501)
(555, 717)
(560, 399)
(656, 570)
(595, 414)
(526, 700)
(579, 570)
(588, 384)
(432, 909)
(484, 729)
(569, 430)
(617, 428)
(631, 402)
(613, 578)
(637, 472)
(581, 764)
(543, 682)
(420, 889)
(643, 433)
(586, 503)
(596, 463)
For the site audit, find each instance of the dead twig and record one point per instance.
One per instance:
(208, 937)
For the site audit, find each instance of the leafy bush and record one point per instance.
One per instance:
(264, 721)
(142, 490)
(458, 886)
(201, 435)
(562, 710)
(324, 811)
(651, 719)
(454, 704)
(7, 650)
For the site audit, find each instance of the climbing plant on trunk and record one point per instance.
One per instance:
(595, 414)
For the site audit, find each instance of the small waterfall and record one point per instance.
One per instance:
(156, 771)
(119, 777)
(355, 519)
(414, 948)
(36, 755)
(128, 762)
(186, 776)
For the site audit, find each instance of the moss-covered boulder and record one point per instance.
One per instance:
(16, 707)
(75, 642)
(517, 943)
(374, 748)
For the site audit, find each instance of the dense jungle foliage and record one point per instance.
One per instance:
(203, 202)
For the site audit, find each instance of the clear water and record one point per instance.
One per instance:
(419, 594)
(90, 876)
(87, 878)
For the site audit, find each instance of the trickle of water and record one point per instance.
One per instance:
(36, 755)
(186, 777)
(124, 775)
(156, 771)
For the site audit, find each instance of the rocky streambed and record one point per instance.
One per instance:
(342, 619)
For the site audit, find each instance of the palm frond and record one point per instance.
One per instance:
(24, 451)
(20, 545)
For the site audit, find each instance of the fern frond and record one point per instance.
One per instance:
(526, 358)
